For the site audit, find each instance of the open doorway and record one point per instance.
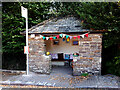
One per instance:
(62, 65)
(61, 52)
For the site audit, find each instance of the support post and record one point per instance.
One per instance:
(27, 44)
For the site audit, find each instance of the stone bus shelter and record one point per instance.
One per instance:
(88, 48)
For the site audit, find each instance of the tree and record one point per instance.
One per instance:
(12, 24)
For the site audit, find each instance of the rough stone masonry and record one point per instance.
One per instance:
(88, 61)
(38, 62)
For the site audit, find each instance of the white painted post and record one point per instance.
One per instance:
(27, 43)
(24, 12)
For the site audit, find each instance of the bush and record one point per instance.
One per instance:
(114, 66)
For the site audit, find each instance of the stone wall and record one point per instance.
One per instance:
(38, 61)
(89, 60)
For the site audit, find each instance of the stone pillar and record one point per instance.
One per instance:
(89, 60)
(38, 61)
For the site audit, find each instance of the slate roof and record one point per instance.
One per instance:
(58, 25)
